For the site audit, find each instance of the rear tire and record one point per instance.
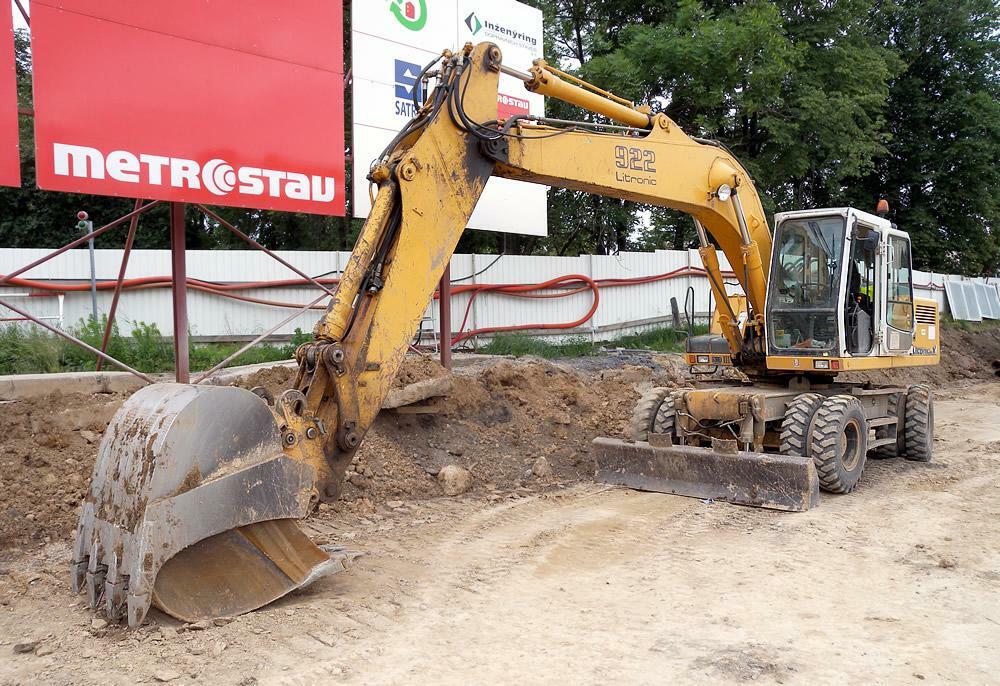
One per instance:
(795, 426)
(654, 413)
(919, 426)
(839, 443)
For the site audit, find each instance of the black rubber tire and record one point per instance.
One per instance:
(884, 452)
(654, 413)
(919, 424)
(839, 443)
(795, 426)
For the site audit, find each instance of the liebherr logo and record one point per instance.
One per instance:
(216, 176)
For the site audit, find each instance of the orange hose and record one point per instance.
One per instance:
(569, 285)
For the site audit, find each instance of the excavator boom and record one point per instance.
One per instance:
(196, 490)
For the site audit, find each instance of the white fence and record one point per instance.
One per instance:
(211, 317)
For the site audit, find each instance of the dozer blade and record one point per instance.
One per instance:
(192, 507)
(779, 482)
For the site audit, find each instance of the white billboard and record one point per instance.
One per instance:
(393, 40)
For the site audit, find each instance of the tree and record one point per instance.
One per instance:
(826, 103)
(940, 172)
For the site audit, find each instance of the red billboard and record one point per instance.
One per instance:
(10, 149)
(228, 102)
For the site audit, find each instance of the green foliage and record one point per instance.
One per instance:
(659, 339)
(32, 350)
(943, 110)
(972, 327)
(28, 351)
(826, 104)
(520, 345)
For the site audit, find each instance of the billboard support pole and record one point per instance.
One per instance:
(93, 274)
(444, 303)
(179, 278)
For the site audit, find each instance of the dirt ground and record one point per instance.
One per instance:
(536, 579)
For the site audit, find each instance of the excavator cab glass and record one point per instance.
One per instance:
(807, 268)
(859, 307)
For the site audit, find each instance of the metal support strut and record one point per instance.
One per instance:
(444, 305)
(179, 274)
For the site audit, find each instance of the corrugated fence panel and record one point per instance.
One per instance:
(622, 308)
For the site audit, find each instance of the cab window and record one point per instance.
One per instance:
(806, 271)
(899, 312)
(859, 310)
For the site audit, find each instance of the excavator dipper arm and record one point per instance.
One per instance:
(196, 489)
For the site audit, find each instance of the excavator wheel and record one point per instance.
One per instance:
(797, 422)
(919, 424)
(839, 443)
(654, 413)
(192, 508)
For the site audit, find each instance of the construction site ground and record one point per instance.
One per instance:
(536, 574)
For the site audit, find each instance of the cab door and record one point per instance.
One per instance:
(898, 310)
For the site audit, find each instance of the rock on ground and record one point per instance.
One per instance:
(454, 480)
(541, 468)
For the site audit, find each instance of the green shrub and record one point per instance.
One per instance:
(31, 350)
(519, 345)
(28, 350)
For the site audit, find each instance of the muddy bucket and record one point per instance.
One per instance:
(193, 508)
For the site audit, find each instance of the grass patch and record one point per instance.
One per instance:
(25, 350)
(519, 345)
(972, 327)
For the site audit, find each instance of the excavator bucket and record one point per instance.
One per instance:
(192, 508)
(779, 482)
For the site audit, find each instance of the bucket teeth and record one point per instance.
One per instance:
(115, 588)
(78, 572)
(179, 465)
(96, 573)
(138, 606)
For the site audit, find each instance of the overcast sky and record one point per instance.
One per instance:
(18, 19)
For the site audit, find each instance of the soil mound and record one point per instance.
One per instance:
(496, 423)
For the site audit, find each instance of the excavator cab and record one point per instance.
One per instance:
(841, 293)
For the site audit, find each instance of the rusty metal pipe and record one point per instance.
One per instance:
(129, 239)
(77, 341)
(444, 306)
(79, 241)
(246, 238)
(178, 256)
(211, 372)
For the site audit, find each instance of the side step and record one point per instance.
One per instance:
(778, 482)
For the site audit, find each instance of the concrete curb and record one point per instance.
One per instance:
(23, 386)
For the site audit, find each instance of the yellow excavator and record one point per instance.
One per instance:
(197, 489)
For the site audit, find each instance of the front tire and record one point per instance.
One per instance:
(795, 426)
(918, 434)
(839, 443)
(654, 413)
